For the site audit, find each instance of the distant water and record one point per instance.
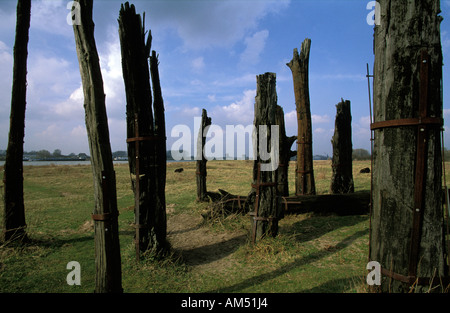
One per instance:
(43, 163)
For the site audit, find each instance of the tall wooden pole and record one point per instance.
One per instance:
(299, 65)
(14, 216)
(201, 159)
(145, 130)
(160, 215)
(342, 171)
(285, 154)
(267, 204)
(407, 235)
(106, 233)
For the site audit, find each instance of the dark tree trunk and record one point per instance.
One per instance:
(342, 171)
(146, 133)
(407, 219)
(202, 193)
(299, 65)
(267, 204)
(285, 154)
(106, 234)
(160, 157)
(14, 214)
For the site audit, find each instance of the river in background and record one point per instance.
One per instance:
(56, 163)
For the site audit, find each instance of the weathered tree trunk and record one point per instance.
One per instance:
(160, 157)
(14, 214)
(299, 65)
(201, 159)
(267, 204)
(106, 234)
(407, 219)
(342, 171)
(285, 153)
(146, 134)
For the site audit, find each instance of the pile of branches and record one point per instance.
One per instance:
(223, 204)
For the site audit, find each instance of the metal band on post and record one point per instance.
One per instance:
(254, 214)
(423, 124)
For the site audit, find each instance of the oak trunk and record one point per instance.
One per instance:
(342, 171)
(14, 208)
(267, 204)
(106, 234)
(145, 131)
(299, 65)
(407, 217)
(202, 192)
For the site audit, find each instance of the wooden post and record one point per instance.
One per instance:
(407, 227)
(14, 208)
(267, 204)
(201, 159)
(160, 215)
(150, 172)
(341, 164)
(299, 65)
(285, 154)
(106, 233)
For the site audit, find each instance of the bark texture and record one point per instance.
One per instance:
(202, 192)
(14, 209)
(299, 65)
(106, 234)
(145, 130)
(342, 171)
(406, 30)
(285, 154)
(267, 204)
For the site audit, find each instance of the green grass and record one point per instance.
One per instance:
(310, 254)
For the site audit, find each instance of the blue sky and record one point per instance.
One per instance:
(210, 53)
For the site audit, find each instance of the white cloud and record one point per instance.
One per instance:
(238, 112)
(50, 74)
(212, 98)
(113, 85)
(206, 24)
(254, 47)
(6, 66)
(445, 40)
(290, 122)
(198, 64)
(51, 17)
(320, 119)
(78, 131)
(72, 107)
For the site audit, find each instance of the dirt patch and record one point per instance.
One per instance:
(201, 248)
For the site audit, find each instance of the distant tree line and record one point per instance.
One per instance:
(360, 154)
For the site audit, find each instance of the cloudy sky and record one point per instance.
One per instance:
(210, 52)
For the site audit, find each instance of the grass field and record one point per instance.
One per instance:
(311, 254)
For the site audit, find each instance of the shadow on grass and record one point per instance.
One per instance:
(318, 225)
(336, 285)
(213, 252)
(291, 266)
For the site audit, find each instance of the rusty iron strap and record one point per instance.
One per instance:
(436, 121)
(255, 213)
(421, 160)
(421, 281)
(137, 194)
(105, 216)
(144, 138)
